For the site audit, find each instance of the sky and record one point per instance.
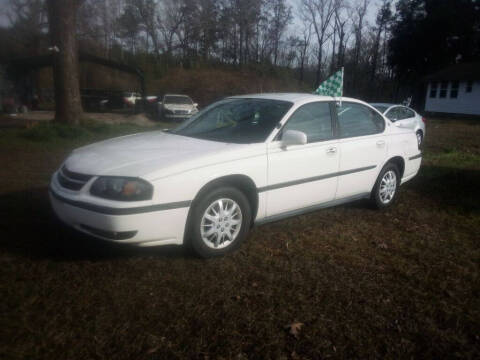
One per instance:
(293, 3)
(372, 10)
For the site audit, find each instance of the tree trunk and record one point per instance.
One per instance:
(62, 19)
(319, 66)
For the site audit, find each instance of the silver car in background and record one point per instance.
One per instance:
(176, 107)
(404, 117)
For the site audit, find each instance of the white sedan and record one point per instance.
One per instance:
(242, 161)
(403, 116)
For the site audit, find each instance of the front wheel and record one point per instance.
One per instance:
(220, 222)
(386, 187)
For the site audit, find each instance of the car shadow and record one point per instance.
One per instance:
(30, 228)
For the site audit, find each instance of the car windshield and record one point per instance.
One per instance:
(183, 100)
(239, 121)
(381, 108)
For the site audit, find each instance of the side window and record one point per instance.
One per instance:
(393, 114)
(358, 120)
(313, 119)
(408, 113)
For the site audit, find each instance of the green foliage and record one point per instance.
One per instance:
(430, 34)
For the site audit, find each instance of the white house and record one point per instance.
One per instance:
(454, 90)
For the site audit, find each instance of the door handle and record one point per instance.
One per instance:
(331, 150)
(380, 143)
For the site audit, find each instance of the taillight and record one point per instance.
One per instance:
(424, 120)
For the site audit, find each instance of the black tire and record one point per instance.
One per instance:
(198, 245)
(375, 197)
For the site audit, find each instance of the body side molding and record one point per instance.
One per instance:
(315, 178)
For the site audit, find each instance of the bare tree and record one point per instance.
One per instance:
(129, 27)
(28, 19)
(169, 21)
(303, 45)
(340, 28)
(359, 13)
(319, 13)
(281, 15)
(383, 17)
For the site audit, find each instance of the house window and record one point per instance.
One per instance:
(443, 89)
(433, 90)
(469, 86)
(454, 90)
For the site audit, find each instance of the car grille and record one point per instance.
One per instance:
(71, 180)
(181, 112)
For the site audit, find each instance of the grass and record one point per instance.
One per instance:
(396, 284)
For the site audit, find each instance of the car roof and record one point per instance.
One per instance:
(292, 97)
(385, 104)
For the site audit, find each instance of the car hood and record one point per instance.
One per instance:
(153, 154)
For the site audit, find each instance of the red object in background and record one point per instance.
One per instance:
(424, 120)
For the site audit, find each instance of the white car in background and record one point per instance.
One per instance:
(241, 161)
(403, 116)
(176, 107)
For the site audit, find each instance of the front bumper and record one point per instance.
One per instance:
(153, 228)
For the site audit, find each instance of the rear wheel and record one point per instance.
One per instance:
(386, 187)
(220, 222)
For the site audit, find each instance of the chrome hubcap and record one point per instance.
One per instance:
(388, 186)
(221, 223)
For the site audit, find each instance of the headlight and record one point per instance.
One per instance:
(122, 189)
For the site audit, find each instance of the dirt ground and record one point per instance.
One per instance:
(348, 282)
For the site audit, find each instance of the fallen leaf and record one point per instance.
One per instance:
(294, 328)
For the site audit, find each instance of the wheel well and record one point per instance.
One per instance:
(241, 182)
(399, 162)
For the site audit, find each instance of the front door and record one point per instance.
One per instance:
(303, 175)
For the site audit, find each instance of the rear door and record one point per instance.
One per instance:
(303, 175)
(362, 146)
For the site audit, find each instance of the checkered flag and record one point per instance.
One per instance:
(333, 86)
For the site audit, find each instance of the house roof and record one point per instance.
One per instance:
(458, 72)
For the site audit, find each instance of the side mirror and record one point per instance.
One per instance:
(399, 125)
(293, 137)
